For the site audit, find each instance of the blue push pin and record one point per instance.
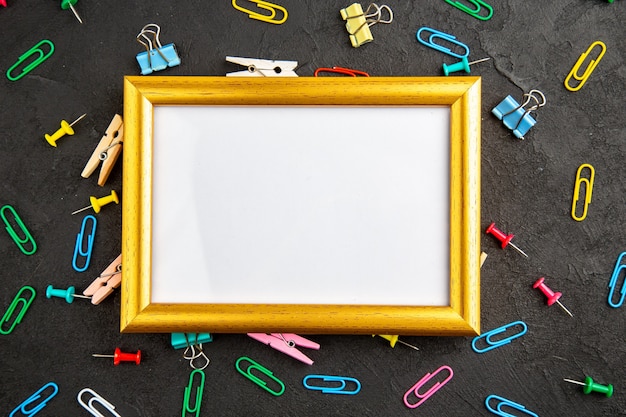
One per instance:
(68, 294)
(462, 65)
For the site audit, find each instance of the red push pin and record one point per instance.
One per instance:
(553, 297)
(3, 3)
(503, 237)
(120, 356)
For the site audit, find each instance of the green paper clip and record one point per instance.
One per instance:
(198, 402)
(32, 51)
(28, 238)
(258, 380)
(473, 12)
(17, 300)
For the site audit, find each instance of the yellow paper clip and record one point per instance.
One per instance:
(271, 7)
(26, 55)
(592, 65)
(588, 189)
(16, 301)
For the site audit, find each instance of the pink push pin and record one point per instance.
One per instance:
(553, 297)
(503, 237)
(3, 3)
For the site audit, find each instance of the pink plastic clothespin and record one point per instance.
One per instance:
(286, 343)
(104, 285)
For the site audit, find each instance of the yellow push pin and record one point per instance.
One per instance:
(97, 203)
(393, 339)
(66, 129)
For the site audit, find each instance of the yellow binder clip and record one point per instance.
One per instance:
(271, 7)
(592, 65)
(588, 189)
(358, 22)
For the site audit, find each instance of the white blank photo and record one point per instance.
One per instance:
(301, 205)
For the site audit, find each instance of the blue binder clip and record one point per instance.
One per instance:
(491, 344)
(340, 389)
(516, 116)
(157, 57)
(613, 283)
(183, 340)
(80, 238)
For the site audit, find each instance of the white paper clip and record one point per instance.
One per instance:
(107, 151)
(262, 67)
(96, 398)
(157, 57)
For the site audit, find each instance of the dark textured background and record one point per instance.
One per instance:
(526, 188)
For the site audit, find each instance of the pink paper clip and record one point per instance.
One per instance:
(423, 397)
(104, 285)
(286, 343)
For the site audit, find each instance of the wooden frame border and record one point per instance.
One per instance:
(461, 94)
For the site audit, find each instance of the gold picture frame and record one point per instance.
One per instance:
(462, 95)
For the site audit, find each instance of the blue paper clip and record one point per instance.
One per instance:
(183, 340)
(613, 283)
(35, 63)
(473, 12)
(78, 249)
(23, 411)
(187, 408)
(503, 402)
(19, 241)
(16, 301)
(332, 390)
(515, 116)
(494, 344)
(157, 57)
(441, 35)
(248, 374)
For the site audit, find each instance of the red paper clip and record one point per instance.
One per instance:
(341, 70)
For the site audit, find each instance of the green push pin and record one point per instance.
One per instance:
(69, 4)
(589, 386)
(462, 65)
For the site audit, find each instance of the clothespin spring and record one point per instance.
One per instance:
(104, 154)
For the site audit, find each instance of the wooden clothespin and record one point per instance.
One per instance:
(107, 151)
(104, 285)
